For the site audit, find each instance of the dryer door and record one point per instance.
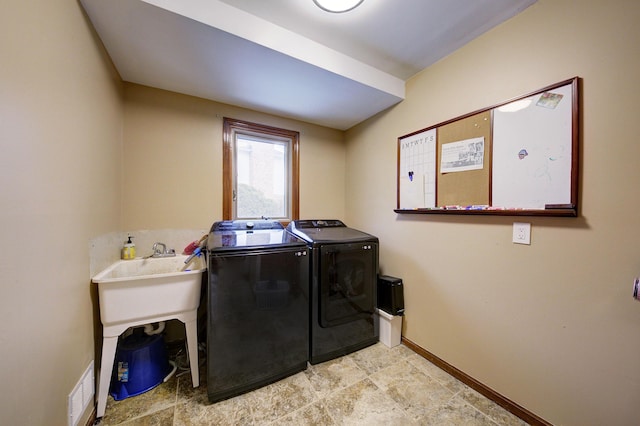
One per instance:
(348, 274)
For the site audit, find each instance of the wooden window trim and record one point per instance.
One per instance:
(230, 125)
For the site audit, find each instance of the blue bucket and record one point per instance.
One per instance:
(140, 365)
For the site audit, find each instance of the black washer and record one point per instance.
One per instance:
(257, 306)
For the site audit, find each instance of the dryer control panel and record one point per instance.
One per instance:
(318, 223)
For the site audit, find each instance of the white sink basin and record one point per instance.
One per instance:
(145, 288)
(141, 291)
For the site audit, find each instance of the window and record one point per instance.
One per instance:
(260, 171)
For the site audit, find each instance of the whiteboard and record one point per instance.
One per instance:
(532, 151)
(417, 170)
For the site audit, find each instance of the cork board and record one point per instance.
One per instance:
(466, 187)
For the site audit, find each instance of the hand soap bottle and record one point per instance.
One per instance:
(129, 249)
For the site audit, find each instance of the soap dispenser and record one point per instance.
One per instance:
(129, 249)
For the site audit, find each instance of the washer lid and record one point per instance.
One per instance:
(249, 240)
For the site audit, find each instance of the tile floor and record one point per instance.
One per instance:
(374, 386)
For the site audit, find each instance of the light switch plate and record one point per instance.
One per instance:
(521, 233)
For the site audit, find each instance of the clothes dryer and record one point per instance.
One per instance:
(343, 275)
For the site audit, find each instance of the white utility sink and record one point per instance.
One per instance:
(143, 291)
(139, 289)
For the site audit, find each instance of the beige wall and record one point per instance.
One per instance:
(83, 161)
(552, 326)
(173, 161)
(60, 162)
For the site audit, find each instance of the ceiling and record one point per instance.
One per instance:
(289, 57)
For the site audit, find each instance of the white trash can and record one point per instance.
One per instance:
(390, 328)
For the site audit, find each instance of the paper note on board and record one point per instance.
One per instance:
(462, 155)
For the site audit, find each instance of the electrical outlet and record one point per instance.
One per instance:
(521, 233)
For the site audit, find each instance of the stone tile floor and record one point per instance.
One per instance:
(374, 386)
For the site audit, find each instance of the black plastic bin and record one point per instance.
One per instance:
(391, 295)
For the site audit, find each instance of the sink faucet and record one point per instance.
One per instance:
(160, 250)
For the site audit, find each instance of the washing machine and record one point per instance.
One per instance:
(343, 275)
(258, 306)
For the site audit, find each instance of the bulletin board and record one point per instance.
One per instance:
(517, 158)
(464, 180)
